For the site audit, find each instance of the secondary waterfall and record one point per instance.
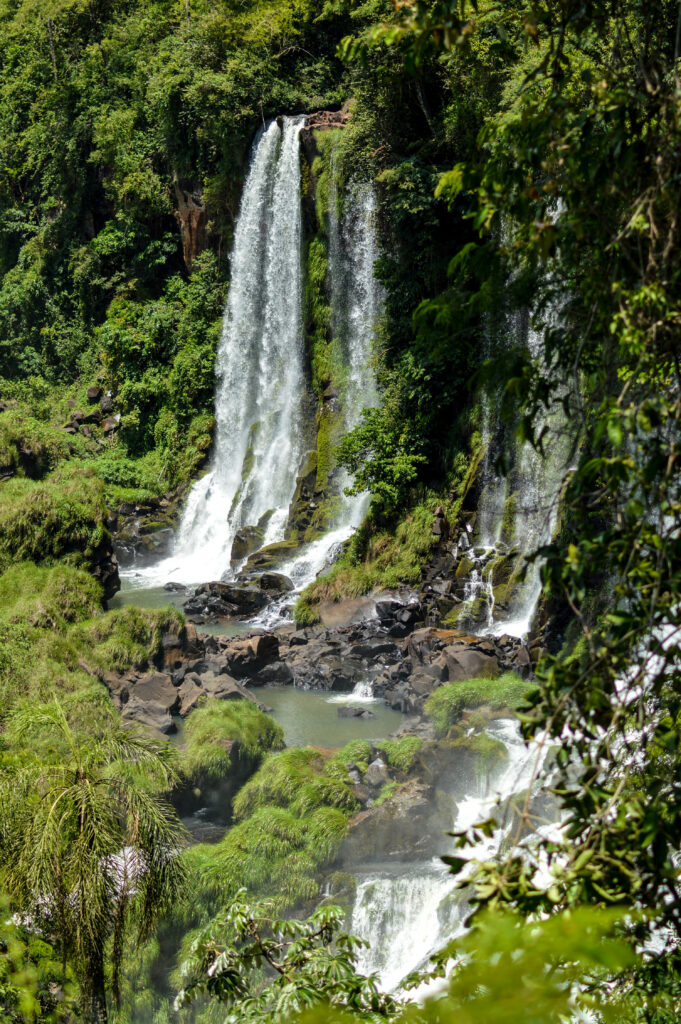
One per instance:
(407, 912)
(517, 514)
(261, 382)
(356, 304)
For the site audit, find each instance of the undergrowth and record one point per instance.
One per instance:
(447, 704)
(212, 729)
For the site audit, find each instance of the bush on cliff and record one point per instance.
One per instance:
(127, 637)
(448, 703)
(48, 598)
(63, 515)
(291, 819)
(212, 730)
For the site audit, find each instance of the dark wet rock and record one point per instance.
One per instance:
(275, 582)
(106, 404)
(105, 568)
(175, 588)
(355, 712)
(94, 393)
(226, 600)
(246, 657)
(409, 825)
(246, 540)
(151, 715)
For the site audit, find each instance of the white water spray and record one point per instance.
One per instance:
(408, 912)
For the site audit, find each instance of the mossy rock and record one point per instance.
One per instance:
(464, 568)
(246, 541)
(452, 618)
(508, 521)
(500, 569)
(272, 555)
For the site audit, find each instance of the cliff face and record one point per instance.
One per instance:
(192, 218)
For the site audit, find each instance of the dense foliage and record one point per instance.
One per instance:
(527, 163)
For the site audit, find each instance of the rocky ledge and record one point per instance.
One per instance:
(404, 671)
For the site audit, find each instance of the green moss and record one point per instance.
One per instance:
(214, 727)
(48, 598)
(447, 704)
(64, 514)
(127, 638)
(401, 753)
(487, 751)
(464, 568)
(508, 522)
(387, 791)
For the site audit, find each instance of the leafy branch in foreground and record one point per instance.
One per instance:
(269, 969)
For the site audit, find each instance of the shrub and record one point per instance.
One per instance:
(212, 728)
(62, 515)
(447, 704)
(127, 637)
(48, 598)
(298, 779)
(401, 754)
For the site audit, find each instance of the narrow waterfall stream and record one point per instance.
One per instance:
(356, 303)
(516, 515)
(261, 382)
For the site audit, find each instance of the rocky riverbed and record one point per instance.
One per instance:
(360, 648)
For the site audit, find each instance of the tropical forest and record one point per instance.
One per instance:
(340, 511)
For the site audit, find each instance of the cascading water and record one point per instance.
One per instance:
(261, 383)
(517, 514)
(356, 303)
(408, 912)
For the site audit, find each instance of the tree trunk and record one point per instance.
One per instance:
(94, 990)
(53, 56)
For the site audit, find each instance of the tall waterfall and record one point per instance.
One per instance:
(408, 912)
(356, 303)
(261, 381)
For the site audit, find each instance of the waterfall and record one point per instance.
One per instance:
(356, 303)
(407, 912)
(517, 514)
(261, 381)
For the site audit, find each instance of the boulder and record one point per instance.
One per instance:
(106, 404)
(469, 664)
(94, 393)
(408, 825)
(151, 715)
(355, 712)
(377, 773)
(111, 423)
(247, 657)
(156, 688)
(343, 613)
(275, 582)
(246, 540)
(190, 694)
